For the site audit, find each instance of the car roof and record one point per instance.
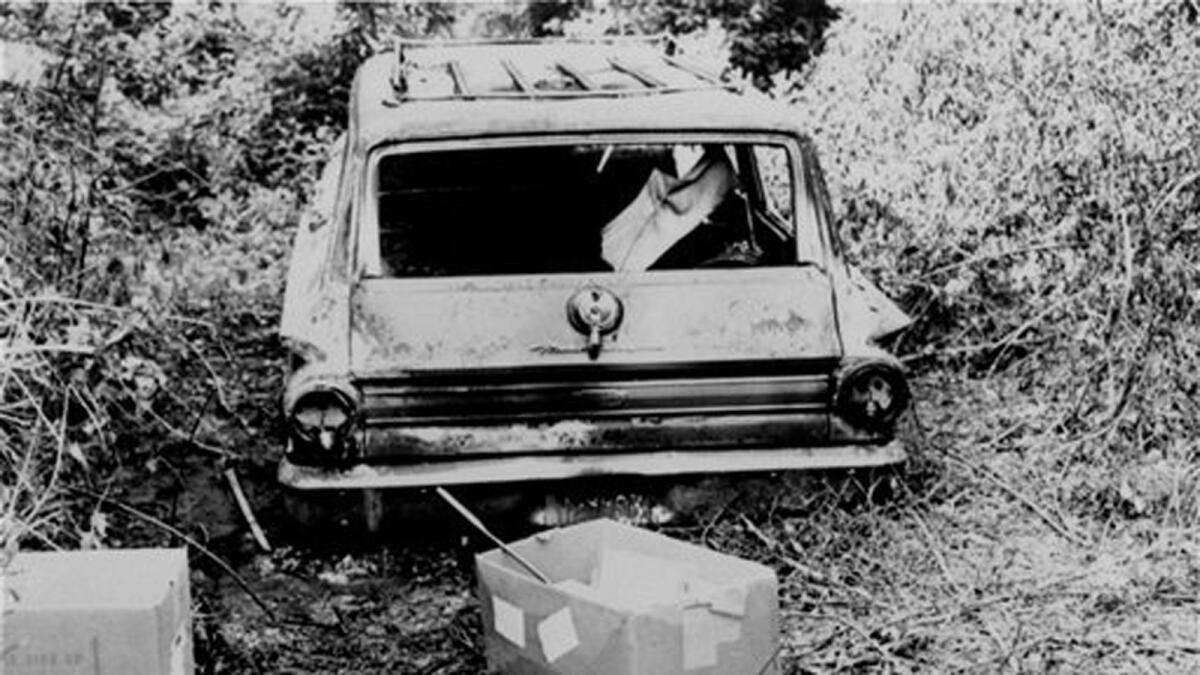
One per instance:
(471, 90)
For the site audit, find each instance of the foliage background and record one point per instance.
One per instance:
(1024, 178)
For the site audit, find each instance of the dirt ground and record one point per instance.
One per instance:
(995, 552)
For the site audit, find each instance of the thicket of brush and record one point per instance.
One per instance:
(1026, 180)
(151, 166)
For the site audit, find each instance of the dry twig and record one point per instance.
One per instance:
(244, 506)
(935, 549)
(807, 571)
(1055, 524)
(203, 550)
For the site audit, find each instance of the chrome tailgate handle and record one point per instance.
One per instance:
(594, 312)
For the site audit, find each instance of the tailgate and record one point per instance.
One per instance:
(403, 327)
(702, 359)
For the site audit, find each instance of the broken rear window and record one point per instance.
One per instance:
(584, 208)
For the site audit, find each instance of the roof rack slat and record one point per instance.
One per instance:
(460, 79)
(583, 80)
(638, 74)
(517, 78)
(693, 70)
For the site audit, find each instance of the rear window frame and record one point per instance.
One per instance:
(812, 250)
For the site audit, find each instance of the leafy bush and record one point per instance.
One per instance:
(762, 40)
(1025, 178)
(767, 38)
(143, 238)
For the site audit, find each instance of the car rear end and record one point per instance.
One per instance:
(549, 307)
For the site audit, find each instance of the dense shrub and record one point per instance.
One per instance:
(757, 40)
(144, 233)
(1025, 178)
(766, 38)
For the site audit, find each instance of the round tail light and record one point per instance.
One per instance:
(872, 395)
(321, 420)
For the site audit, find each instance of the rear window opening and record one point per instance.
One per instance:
(574, 208)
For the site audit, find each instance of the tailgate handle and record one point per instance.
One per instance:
(595, 312)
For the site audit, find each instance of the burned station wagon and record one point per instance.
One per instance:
(538, 261)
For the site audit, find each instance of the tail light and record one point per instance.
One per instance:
(321, 421)
(872, 394)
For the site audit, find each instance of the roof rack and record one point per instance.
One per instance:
(558, 70)
(592, 40)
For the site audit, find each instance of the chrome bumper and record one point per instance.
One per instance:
(559, 467)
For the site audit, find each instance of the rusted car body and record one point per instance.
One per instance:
(550, 260)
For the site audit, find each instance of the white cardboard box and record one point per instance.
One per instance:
(626, 601)
(112, 612)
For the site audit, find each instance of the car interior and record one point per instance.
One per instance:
(584, 208)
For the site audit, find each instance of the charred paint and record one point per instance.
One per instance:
(315, 327)
(409, 443)
(378, 332)
(866, 314)
(564, 435)
(793, 323)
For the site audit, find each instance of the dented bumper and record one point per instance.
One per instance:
(484, 470)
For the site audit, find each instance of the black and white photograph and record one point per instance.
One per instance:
(600, 337)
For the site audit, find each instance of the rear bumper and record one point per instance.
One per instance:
(560, 467)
